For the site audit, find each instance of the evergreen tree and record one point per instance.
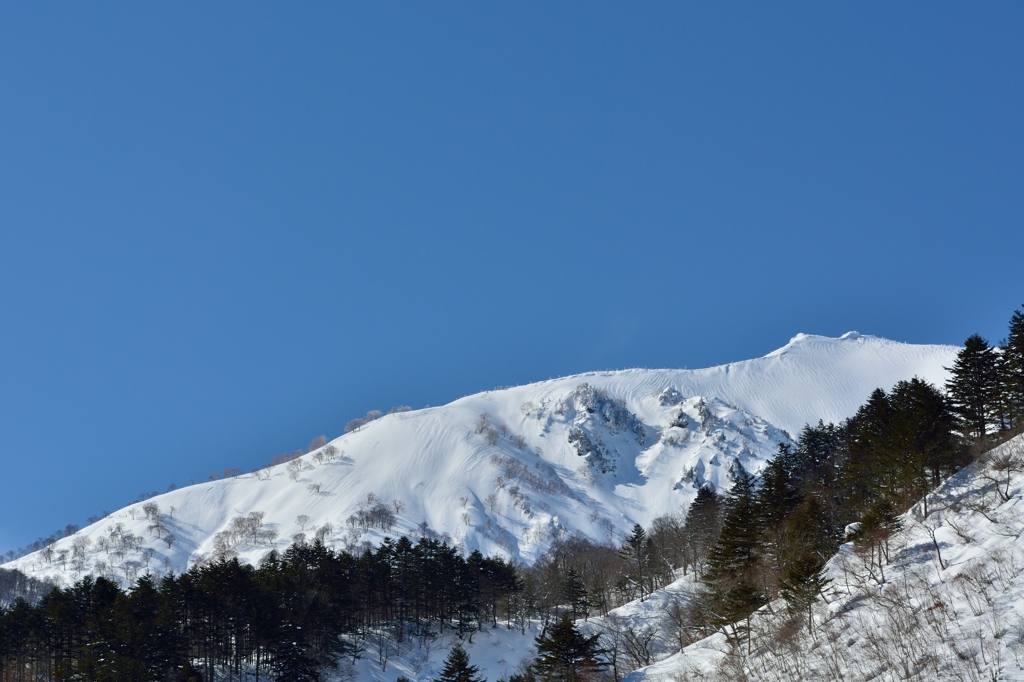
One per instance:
(636, 552)
(735, 551)
(973, 389)
(778, 493)
(776, 498)
(702, 525)
(920, 443)
(457, 667)
(734, 605)
(292, 663)
(867, 442)
(801, 586)
(564, 654)
(812, 528)
(818, 457)
(575, 593)
(1013, 371)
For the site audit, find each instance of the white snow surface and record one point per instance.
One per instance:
(591, 454)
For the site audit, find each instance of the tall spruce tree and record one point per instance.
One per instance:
(575, 593)
(801, 586)
(564, 654)
(702, 524)
(973, 389)
(457, 667)
(735, 550)
(776, 498)
(1013, 371)
(865, 471)
(920, 441)
(636, 552)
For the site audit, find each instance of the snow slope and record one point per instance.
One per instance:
(948, 605)
(592, 454)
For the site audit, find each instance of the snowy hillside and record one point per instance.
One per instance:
(948, 604)
(509, 471)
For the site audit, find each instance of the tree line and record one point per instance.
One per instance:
(290, 618)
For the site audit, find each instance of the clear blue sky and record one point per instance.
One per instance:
(228, 228)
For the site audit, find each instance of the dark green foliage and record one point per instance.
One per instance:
(703, 523)
(576, 594)
(820, 452)
(564, 654)
(288, 619)
(637, 552)
(900, 446)
(802, 585)
(733, 605)
(458, 669)
(1013, 372)
(735, 550)
(974, 389)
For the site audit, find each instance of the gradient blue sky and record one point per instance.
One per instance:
(228, 228)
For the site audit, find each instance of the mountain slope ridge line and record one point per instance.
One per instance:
(510, 471)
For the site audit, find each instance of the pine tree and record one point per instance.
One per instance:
(702, 524)
(457, 667)
(776, 498)
(973, 389)
(818, 456)
(575, 593)
(778, 493)
(734, 606)
(637, 553)
(801, 586)
(1013, 371)
(865, 473)
(735, 551)
(564, 654)
(920, 440)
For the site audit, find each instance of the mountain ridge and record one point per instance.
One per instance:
(509, 471)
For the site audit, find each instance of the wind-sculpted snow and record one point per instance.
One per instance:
(508, 471)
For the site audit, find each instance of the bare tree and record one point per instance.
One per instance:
(294, 470)
(317, 443)
(314, 488)
(302, 520)
(152, 511)
(324, 532)
(1001, 465)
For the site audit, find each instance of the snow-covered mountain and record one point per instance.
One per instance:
(510, 470)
